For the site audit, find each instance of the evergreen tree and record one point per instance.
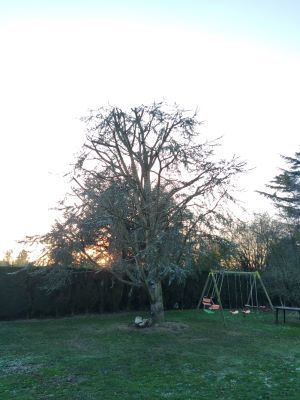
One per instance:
(286, 189)
(284, 255)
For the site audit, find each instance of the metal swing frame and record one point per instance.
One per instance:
(215, 276)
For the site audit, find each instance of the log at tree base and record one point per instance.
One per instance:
(139, 322)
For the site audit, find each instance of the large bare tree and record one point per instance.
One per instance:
(146, 181)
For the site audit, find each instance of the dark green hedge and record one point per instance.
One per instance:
(23, 294)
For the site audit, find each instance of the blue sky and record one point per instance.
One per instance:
(237, 61)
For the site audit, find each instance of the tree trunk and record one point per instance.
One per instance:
(156, 300)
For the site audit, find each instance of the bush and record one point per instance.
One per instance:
(283, 272)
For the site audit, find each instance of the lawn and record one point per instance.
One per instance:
(193, 357)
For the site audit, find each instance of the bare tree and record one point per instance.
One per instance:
(253, 240)
(22, 259)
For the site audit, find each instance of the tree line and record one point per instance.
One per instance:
(21, 260)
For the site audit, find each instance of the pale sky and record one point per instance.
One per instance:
(238, 62)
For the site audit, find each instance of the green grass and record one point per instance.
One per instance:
(194, 357)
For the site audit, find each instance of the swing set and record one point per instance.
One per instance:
(236, 281)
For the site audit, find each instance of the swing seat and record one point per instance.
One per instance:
(207, 301)
(214, 307)
(208, 304)
(245, 312)
(207, 311)
(234, 312)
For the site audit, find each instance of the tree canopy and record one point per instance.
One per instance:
(145, 182)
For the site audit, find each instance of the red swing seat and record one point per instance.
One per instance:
(208, 302)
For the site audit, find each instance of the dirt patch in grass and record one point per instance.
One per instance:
(172, 327)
